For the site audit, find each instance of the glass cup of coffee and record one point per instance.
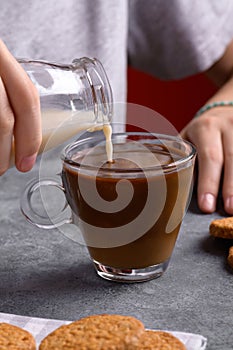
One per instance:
(130, 210)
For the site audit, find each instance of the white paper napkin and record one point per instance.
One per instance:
(40, 327)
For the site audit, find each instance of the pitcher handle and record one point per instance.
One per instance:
(31, 213)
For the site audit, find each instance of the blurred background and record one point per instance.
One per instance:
(177, 101)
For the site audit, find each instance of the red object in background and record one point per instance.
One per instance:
(177, 101)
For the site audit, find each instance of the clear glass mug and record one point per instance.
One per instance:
(73, 97)
(130, 211)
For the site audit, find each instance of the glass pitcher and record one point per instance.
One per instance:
(73, 97)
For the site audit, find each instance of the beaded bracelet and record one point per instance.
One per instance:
(212, 105)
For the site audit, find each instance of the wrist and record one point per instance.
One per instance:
(209, 106)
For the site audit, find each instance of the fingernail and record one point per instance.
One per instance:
(207, 202)
(229, 204)
(27, 163)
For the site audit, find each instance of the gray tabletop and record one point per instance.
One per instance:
(45, 274)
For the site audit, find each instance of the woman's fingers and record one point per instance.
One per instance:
(227, 189)
(25, 104)
(210, 162)
(205, 133)
(6, 129)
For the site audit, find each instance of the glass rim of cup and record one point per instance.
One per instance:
(176, 164)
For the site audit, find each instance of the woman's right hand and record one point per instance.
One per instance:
(20, 120)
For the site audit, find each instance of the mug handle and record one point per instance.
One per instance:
(31, 213)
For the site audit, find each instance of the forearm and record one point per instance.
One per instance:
(224, 93)
(211, 133)
(221, 74)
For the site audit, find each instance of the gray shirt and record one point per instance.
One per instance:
(168, 38)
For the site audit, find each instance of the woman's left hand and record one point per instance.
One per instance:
(212, 134)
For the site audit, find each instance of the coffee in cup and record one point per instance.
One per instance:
(129, 210)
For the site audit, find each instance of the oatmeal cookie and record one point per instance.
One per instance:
(222, 228)
(15, 338)
(230, 257)
(112, 332)
(159, 340)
